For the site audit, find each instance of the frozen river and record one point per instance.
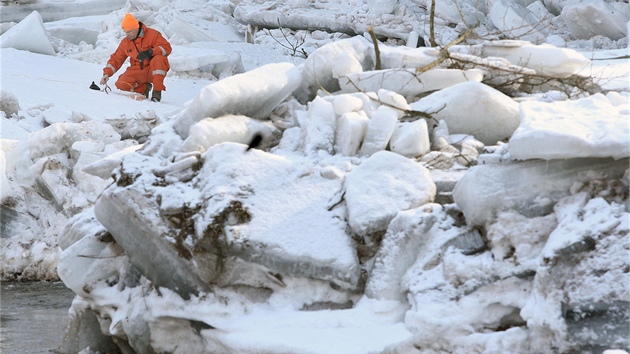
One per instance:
(33, 316)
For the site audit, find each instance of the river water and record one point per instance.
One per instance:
(33, 316)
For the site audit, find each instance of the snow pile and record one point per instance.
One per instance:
(213, 217)
(323, 198)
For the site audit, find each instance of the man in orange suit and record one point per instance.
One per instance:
(148, 52)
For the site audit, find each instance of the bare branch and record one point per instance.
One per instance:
(444, 52)
(432, 42)
(377, 53)
(293, 47)
(513, 77)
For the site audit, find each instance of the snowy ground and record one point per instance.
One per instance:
(498, 225)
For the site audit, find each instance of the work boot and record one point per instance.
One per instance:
(147, 90)
(157, 96)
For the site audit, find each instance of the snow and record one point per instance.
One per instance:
(549, 134)
(370, 206)
(383, 210)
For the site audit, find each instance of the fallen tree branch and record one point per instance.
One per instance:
(526, 79)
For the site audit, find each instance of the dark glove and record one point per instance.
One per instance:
(147, 54)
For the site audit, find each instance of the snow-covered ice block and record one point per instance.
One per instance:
(406, 82)
(471, 12)
(59, 10)
(89, 261)
(468, 242)
(530, 187)
(544, 58)
(524, 245)
(7, 149)
(52, 182)
(393, 100)
(381, 7)
(411, 139)
(445, 182)
(187, 58)
(589, 18)
(580, 221)
(346, 63)
(595, 128)
(79, 226)
(405, 238)
(105, 166)
(542, 15)
(134, 221)
(379, 131)
(351, 128)
(619, 98)
(318, 131)
(400, 57)
(9, 103)
(273, 83)
(192, 58)
(90, 185)
(515, 21)
(9, 226)
(236, 129)
(184, 27)
(354, 102)
(84, 331)
(181, 27)
(137, 127)
(29, 35)
(472, 108)
(318, 68)
(4, 181)
(347, 103)
(555, 6)
(384, 184)
(73, 34)
(57, 115)
(76, 29)
(591, 233)
(60, 137)
(292, 229)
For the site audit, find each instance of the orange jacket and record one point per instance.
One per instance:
(147, 38)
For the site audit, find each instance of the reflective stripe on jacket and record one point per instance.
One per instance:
(147, 38)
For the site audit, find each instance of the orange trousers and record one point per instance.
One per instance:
(135, 79)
